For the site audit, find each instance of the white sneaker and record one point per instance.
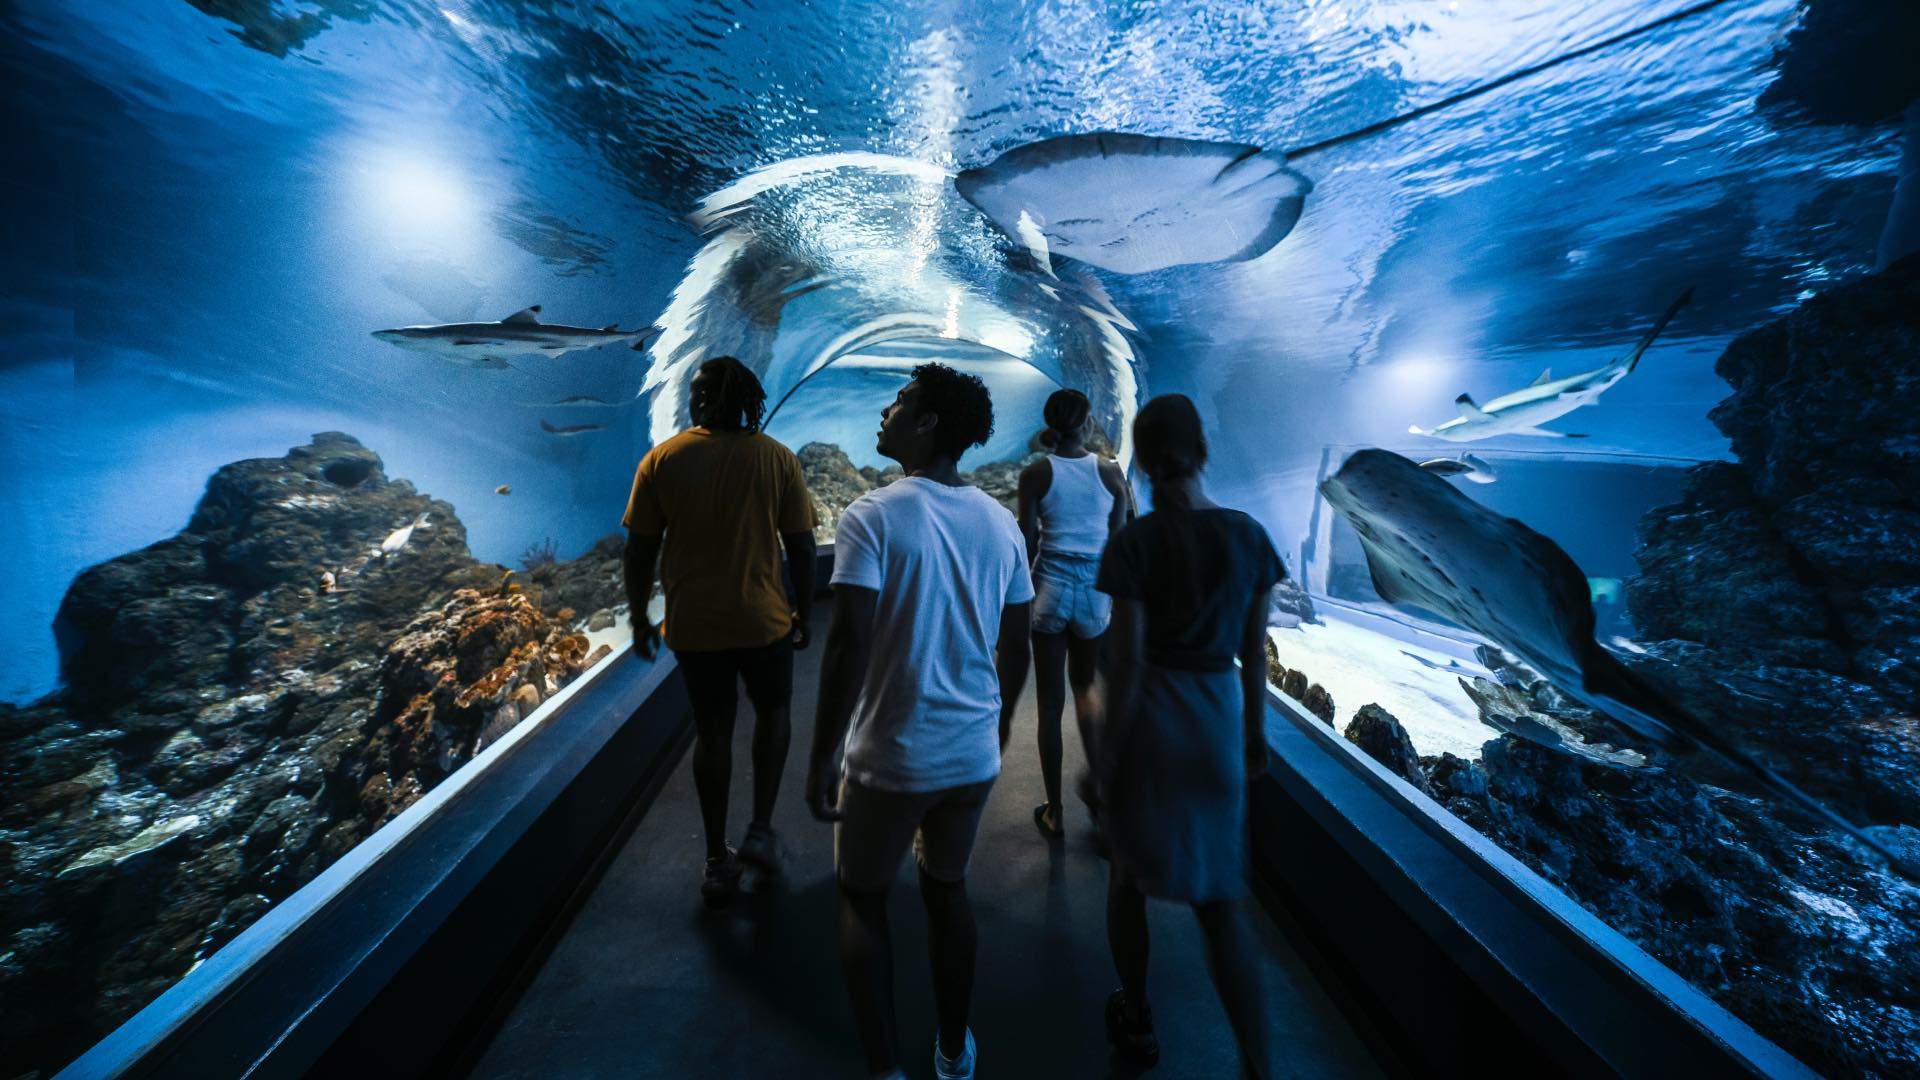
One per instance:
(960, 1068)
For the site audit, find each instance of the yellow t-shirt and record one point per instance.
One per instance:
(723, 498)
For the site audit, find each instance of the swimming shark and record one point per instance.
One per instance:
(1431, 548)
(496, 344)
(1523, 411)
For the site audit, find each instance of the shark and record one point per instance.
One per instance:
(1431, 549)
(498, 344)
(1546, 398)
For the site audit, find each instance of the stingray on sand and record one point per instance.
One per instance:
(1429, 546)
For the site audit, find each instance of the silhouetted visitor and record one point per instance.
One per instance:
(1183, 731)
(1071, 502)
(929, 641)
(727, 498)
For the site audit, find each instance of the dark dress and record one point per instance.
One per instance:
(1176, 816)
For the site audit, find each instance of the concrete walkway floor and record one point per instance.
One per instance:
(647, 982)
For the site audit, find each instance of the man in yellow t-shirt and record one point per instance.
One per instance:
(716, 503)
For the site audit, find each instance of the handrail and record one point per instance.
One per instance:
(1444, 882)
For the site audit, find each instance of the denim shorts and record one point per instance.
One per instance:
(1064, 598)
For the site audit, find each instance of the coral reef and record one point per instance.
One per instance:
(230, 724)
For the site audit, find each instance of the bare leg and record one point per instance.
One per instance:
(866, 955)
(1083, 662)
(1050, 695)
(1232, 958)
(952, 941)
(713, 771)
(772, 731)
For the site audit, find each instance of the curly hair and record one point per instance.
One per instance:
(960, 401)
(736, 397)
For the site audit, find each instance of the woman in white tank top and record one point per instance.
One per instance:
(1070, 502)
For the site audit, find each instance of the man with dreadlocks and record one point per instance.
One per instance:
(711, 502)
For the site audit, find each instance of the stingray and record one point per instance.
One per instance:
(1429, 546)
(1135, 203)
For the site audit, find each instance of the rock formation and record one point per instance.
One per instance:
(835, 483)
(1376, 731)
(1780, 598)
(228, 727)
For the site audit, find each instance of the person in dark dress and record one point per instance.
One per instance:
(1184, 730)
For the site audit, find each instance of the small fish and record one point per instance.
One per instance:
(1467, 466)
(1547, 398)
(570, 429)
(399, 537)
(328, 582)
(577, 401)
(521, 334)
(503, 489)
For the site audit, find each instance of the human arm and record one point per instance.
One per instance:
(1010, 661)
(1122, 492)
(1035, 480)
(800, 564)
(637, 564)
(1253, 683)
(843, 669)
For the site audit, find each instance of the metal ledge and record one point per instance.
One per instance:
(1457, 954)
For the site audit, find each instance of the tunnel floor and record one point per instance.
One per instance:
(647, 982)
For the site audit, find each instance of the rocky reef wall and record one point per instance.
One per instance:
(1780, 598)
(244, 702)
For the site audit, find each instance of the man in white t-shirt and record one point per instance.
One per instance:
(927, 649)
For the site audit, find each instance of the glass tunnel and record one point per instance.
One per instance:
(1568, 355)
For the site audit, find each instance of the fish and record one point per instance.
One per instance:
(1432, 549)
(1467, 466)
(398, 538)
(1547, 398)
(576, 401)
(503, 489)
(1604, 590)
(570, 429)
(328, 583)
(519, 335)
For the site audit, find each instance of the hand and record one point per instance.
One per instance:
(798, 633)
(823, 791)
(646, 637)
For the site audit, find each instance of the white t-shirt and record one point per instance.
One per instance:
(945, 561)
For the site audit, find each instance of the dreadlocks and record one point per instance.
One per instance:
(726, 394)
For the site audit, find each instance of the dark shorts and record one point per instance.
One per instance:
(713, 677)
(876, 828)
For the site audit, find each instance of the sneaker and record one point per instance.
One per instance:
(1132, 1036)
(960, 1068)
(721, 880)
(1048, 824)
(761, 847)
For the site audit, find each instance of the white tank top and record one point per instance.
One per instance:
(1075, 509)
